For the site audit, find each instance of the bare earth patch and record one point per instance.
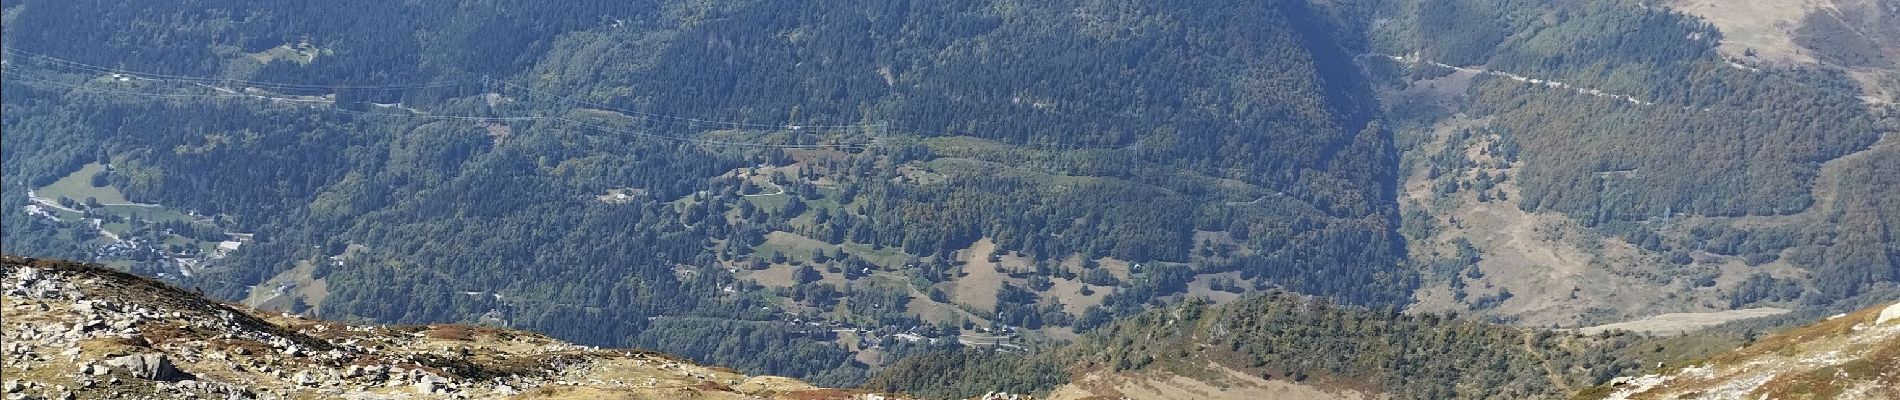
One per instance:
(1070, 293)
(1764, 26)
(278, 292)
(1768, 33)
(1677, 323)
(1555, 270)
(976, 286)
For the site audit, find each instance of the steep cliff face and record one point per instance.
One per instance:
(81, 331)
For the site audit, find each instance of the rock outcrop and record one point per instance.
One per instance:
(154, 367)
(82, 331)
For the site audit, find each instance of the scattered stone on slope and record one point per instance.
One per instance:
(1850, 355)
(83, 331)
(155, 367)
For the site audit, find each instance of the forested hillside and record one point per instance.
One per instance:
(834, 181)
(1619, 145)
(823, 189)
(1307, 341)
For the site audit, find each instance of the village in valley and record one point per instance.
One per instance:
(148, 238)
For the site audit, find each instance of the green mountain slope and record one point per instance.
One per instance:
(1270, 343)
(1559, 156)
(822, 189)
(884, 167)
(1280, 346)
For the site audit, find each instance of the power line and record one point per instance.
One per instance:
(714, 142)
(648, 115)
(185, 78)
(609, 129)
(876, 141)
(491, 85)
(487, 83)
(78, 88)
(473, 118)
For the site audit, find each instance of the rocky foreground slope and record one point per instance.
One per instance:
(76, 331)
(1849, 356)
(87, 332)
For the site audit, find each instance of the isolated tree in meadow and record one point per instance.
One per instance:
(806, 274)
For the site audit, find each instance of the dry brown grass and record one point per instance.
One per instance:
(1764, 26)
(1790, 341)
(1558, 271)
(461, 352)
(452, 332)
(819, 394)
(1832, 358)
(711, 386)
(976, 286)
(251, 346)
(1834, 381)
(102, 347)
(127, 341)
(160, 333)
